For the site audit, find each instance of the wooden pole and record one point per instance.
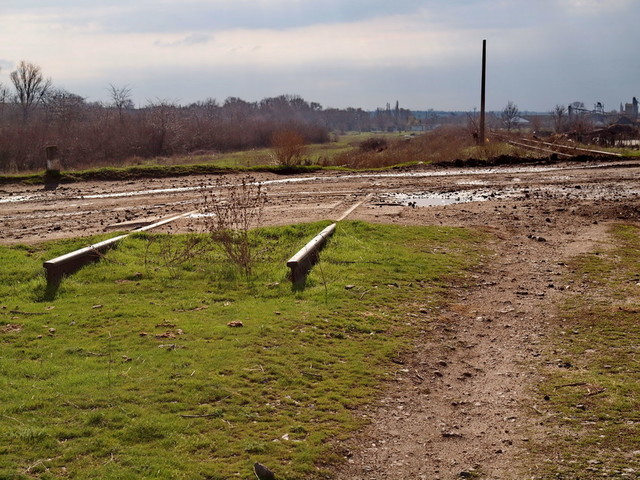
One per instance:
(481, 136)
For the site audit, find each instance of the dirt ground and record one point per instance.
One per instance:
(460, 405)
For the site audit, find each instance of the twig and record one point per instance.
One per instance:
(201, 416)
(597, 392)
(14, 419)
(324, 282)
(577, 384)
(537, 410)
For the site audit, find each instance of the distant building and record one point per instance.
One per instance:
(631, 109)
(521, 122)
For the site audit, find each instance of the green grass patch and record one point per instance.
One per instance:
(130, 370)
(592, 387)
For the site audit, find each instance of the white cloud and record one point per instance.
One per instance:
(594, 7)
(366, 47)
(87, 51)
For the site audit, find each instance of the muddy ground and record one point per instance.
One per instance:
(461, 405)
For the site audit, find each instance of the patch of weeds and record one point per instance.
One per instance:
(591, 394)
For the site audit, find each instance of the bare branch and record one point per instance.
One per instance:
(31, 86)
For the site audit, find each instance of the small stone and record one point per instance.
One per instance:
(235, 324)
(349, 287)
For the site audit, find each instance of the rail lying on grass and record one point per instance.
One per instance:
(71, 262)
(301, 262)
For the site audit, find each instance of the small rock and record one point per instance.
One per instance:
(262, 472)
(235, 323)
(349, 287)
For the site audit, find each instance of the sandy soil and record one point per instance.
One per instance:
(460, 404)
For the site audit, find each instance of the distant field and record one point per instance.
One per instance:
(314, 153)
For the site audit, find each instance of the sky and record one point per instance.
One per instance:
(340, 53)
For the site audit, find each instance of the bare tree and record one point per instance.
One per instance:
(31, 86)
(509, 115)
(161, 118)
(4, 97)
(64, 108)
(120, 98)
(559, 113)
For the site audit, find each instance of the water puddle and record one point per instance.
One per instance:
(569, 193)
(431, 199)
(16, 199)
(439, 199)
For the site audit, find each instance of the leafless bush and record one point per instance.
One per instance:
(288, 147)
(229, 216)
(374, 144)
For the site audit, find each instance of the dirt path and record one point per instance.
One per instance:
(460, 406)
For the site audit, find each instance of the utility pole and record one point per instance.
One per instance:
(481, 136)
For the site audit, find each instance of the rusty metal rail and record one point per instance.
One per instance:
(553, 148)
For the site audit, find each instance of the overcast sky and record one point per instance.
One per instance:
(340, 53)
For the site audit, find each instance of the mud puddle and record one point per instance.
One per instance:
(576, 192)
(312, 179)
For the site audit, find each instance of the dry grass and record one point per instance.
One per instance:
(448, 145)
(445, 144)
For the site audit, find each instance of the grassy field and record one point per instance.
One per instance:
(314, 153)
(443, 147)
(591, 398)
(129, 368)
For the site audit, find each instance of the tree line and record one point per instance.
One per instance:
(34, 113)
